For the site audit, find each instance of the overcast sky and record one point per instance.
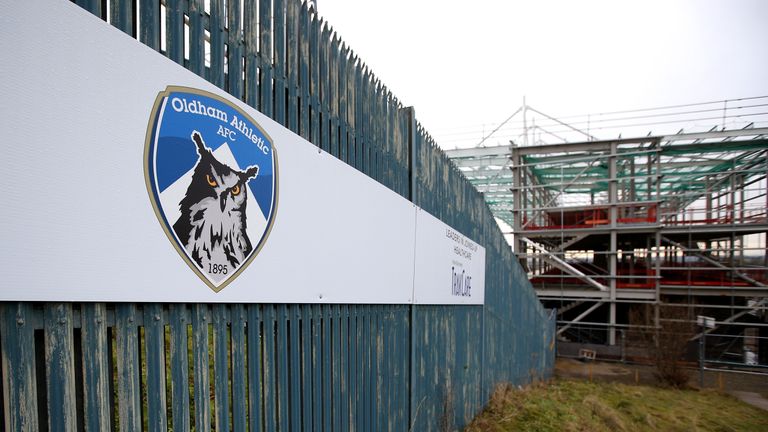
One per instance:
(466, 66)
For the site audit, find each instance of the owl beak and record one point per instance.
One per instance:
(223, 201)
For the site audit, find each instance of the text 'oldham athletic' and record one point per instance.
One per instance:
(211, 173)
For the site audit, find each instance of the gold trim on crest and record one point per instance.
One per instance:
(161, 96)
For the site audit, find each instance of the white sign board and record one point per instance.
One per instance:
(450, 267)
(705, 321)
(94, 211)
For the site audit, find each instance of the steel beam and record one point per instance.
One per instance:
(561, 264)
(579, 318)
(478, 152)
(497, 161)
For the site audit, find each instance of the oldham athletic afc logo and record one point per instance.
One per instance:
(211, 173)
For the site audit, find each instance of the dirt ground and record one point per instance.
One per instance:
(751, 388)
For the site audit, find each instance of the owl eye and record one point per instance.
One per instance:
(211, 181)
(236, 190)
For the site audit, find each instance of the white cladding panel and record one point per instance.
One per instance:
(77, 223)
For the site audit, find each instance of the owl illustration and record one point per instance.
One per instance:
(212, 225)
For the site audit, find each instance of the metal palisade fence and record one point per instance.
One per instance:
(311, 367)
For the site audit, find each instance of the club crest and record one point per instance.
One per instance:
(211, 174)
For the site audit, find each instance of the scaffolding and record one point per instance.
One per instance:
(602, 226)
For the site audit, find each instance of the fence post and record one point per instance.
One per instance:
(482, 356)
(18, 366)
(411, 113)
(154, 344)
(95, 366)
(701, 355)
(128, 366)
(411, 131)
(623, 346)
(60, 367)
(92, 6)
(149, 33)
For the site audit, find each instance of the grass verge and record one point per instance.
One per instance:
(567, 405)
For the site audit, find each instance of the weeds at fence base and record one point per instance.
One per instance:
(570, 405)
(665, 346)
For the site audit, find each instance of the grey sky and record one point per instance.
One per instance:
(465, 66)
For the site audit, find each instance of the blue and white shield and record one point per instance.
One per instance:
(211, 173)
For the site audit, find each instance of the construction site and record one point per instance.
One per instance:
(670, 225)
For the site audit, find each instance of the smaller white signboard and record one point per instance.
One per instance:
(705, 321)
(450, 267)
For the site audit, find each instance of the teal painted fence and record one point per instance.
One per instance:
(96, 366)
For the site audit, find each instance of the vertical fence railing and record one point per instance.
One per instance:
(283, 367)
(211, 367)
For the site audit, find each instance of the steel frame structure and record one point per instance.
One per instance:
(601, 226)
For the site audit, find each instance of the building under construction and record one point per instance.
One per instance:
(675, 221)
